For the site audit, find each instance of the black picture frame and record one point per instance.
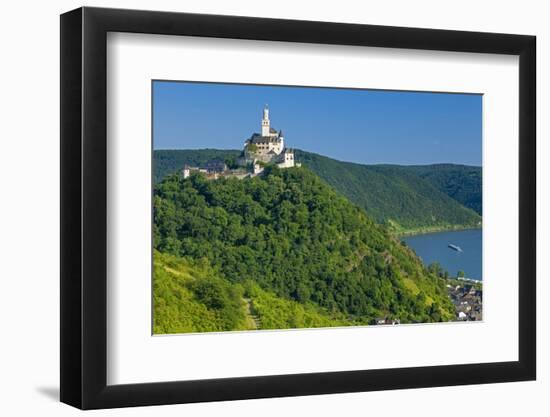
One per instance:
(84, 207)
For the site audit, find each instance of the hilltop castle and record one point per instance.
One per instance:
(261, 149)
(267, 146)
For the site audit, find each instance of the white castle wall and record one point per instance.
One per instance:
(288, 160)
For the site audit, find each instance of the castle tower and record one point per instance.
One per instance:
(282, 141)
(186, 171)
(265, 122)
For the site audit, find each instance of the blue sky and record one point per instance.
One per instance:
(364, 126)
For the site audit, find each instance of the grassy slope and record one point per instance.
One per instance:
(178, 308)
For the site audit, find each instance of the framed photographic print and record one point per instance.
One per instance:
(257, 208)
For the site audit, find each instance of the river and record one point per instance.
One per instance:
(433, 247)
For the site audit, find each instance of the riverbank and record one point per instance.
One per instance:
(433, 229)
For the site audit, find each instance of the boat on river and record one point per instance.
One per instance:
(455, 247)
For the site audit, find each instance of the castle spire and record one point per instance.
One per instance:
(265, 122)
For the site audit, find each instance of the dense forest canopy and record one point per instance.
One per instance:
(461, 182)
(404, 198)
(392, 194)
(286, 238)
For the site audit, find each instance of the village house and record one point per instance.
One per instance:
(467, 300)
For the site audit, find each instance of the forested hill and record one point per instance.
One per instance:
(282, 249)
(393, 194)
(461, 182)
(402, 197)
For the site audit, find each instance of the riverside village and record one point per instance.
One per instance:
(466, 295)
(261, 149)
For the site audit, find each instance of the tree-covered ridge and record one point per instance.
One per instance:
(460, 182)
(404, 198)
(392, 194)
(295, 237)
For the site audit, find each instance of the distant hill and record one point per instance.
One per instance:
(405, 198)
(281, 250)
(393, 194)
(460, 182)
